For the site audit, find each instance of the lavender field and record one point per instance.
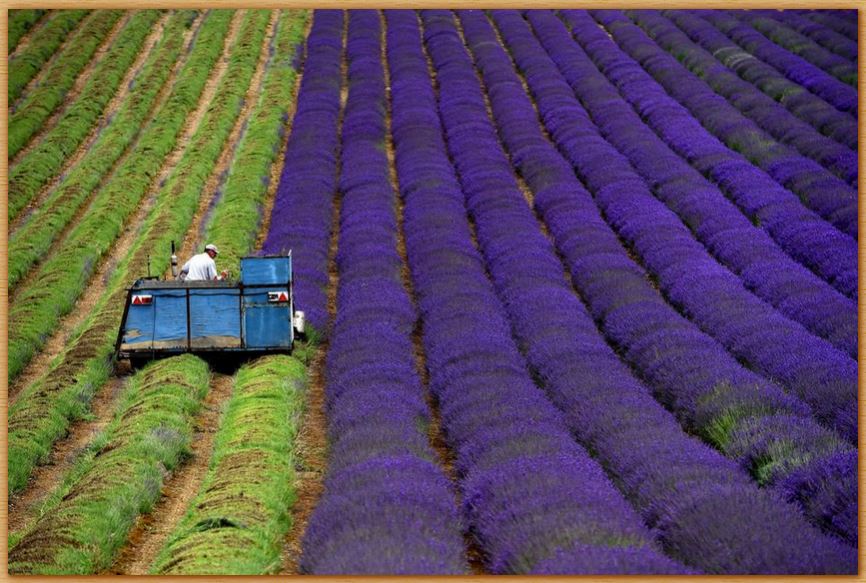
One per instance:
(581, 289)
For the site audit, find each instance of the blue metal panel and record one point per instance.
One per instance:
(162, 324)
(138, 330)
(170, 321)
(215, 316)
(266, 270)
(266, 325)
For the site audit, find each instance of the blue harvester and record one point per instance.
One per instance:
(254, 315)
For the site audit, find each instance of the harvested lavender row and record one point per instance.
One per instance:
(795, 98)
(387, 506)
(802, 234)
(822, 35)
(709, 294)
(842, 21)
(750, 420)
(838, 94)
(611, 413)
(817, 188)
(759, 107)
(529, 491)
(731, 238)
(763, 21)
(302, 215)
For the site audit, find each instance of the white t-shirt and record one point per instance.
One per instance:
(199, 268)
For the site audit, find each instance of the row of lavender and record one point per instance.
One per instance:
(824, 193)
(690, 372)
(665, 474)
(387, 506)
(774, 25)
(842, 21)
(303, 206)
(835, 92)
(675, 126)
(690, 278)
(800, 233)
(770, 115)
(532, 498)
(501, 439)
(713, 220)
(795, 98)
(700, 204)
(818, 34)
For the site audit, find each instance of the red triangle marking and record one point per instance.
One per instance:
(136, 300)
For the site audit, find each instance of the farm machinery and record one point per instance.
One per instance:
(224, 320)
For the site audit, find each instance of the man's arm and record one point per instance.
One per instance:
(184, 271)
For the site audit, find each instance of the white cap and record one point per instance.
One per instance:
(211, 247)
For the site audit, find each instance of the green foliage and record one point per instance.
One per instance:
(58, 78)
(44, 43)
(30, 242)
(722, 412)
(86, 520)
(41, 413)
(20, 21)
(238, 215)
(44, 409)
(64, 275)
(44, 162)
(236, 524)
(197, 164)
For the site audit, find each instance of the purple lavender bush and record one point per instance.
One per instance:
(794, 97)
(822, 35)
(529, 493)
(689, 372)
(691, 280)
(633, 437)
(842, 21)
(801, 233)
(775, 29)
(302, 213)
(835, 92)
(729, 236)
(818, 189)
(766, 112)
(387, 507)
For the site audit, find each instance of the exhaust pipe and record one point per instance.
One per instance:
(173, 262)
